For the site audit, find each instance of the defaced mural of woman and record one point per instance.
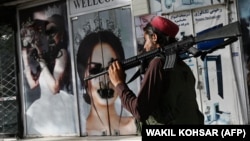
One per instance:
(53, 112)
(95, 53)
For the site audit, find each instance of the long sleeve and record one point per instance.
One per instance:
(143, 104)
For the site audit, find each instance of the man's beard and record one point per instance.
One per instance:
(152, 48)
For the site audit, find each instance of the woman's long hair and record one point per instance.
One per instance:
(86, 49)
(54, 50)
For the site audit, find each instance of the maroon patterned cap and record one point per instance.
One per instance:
(164, 25)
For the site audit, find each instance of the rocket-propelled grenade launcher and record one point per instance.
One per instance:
(228, 32)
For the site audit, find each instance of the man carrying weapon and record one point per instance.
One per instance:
(166, 96)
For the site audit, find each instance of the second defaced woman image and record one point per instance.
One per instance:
(95, 53)
(53, 112)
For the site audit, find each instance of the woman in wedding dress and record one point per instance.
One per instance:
(53, 113)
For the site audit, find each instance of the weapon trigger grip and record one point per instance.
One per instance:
(169, 61)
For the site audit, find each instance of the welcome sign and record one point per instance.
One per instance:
(85, 6)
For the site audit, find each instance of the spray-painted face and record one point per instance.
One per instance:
(100, 88)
